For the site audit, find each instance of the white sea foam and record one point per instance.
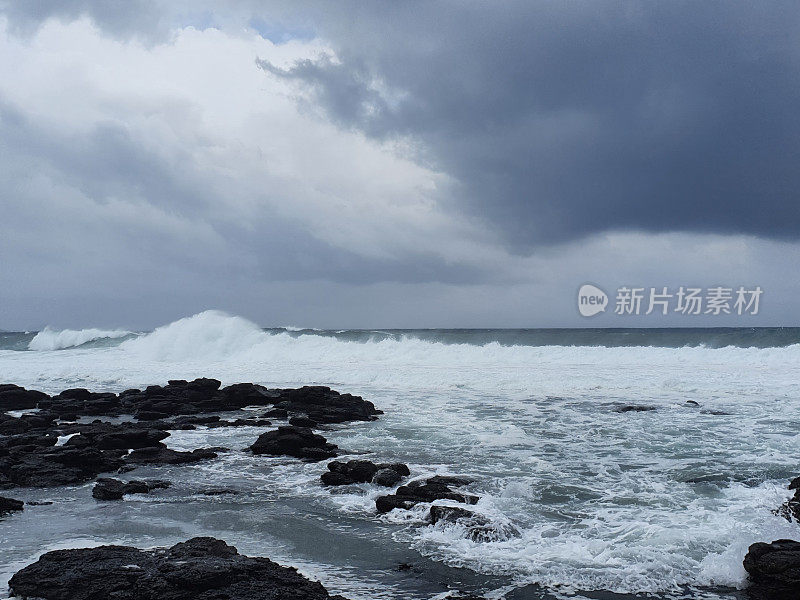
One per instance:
(55, 339)
(630, 502)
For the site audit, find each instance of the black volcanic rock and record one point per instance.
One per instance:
(324, 405)
(8, 505)
(122, 436)
(113, 489)
(774, 570)
(299, 442)
(301, 421)
(790, 510)
(14, 397)
(317, 404)
(198, 569)
(428, 490)
(363, 471)
(32, 456)
(166, 456)
(387, 477)
(36, 466)
(353, 471)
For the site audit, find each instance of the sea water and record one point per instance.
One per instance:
(663, 501)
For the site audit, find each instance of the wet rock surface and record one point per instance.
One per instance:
(299, 442)
(317, 404)
(48, 448)
(199, 569)
(15, 397)
(477, 527)
(774, 570)
(8, 505)
(428, 490)
(113, 489)
(167, 456)
(324, 405)
(364, 471)
(790, 510)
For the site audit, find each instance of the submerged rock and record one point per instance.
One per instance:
(201, 568)
(634, 408)
(477, 527)
(774, 570)
(107, 488)
(299, 442)
(429, 490)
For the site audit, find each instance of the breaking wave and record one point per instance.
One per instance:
(54, 339)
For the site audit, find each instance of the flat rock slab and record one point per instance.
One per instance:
(202, 568)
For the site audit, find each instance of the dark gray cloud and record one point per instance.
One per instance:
(554, 121)
(558, 120)
(565, 119)
(120, 18)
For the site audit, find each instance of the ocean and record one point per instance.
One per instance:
(604, 503)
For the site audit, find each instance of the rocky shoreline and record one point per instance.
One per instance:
(51, 442)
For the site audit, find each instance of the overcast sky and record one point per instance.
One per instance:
(394, 164)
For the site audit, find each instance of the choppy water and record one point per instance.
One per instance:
(662, 502)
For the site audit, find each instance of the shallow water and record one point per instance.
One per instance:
(663, 502)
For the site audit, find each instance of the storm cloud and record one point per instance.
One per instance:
(408, 163)
(564, 119)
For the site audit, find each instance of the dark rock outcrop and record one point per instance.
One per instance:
(122, 436)
(389, 474)
(199, 569)
(790, 510)
(324, 405)
(15, 397)
(301, 421)
(31, 454)
(299, 442)
(309, 405)
(166, 456)
(113, 489)
(364, 471)
(37, 466)
(774, 570)
(428, 490)
(8, 505)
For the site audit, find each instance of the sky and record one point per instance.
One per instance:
(395, 164)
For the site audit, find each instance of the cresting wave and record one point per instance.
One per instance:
(52, 339)
(233, 348)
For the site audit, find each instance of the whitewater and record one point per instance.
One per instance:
(662, 501)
